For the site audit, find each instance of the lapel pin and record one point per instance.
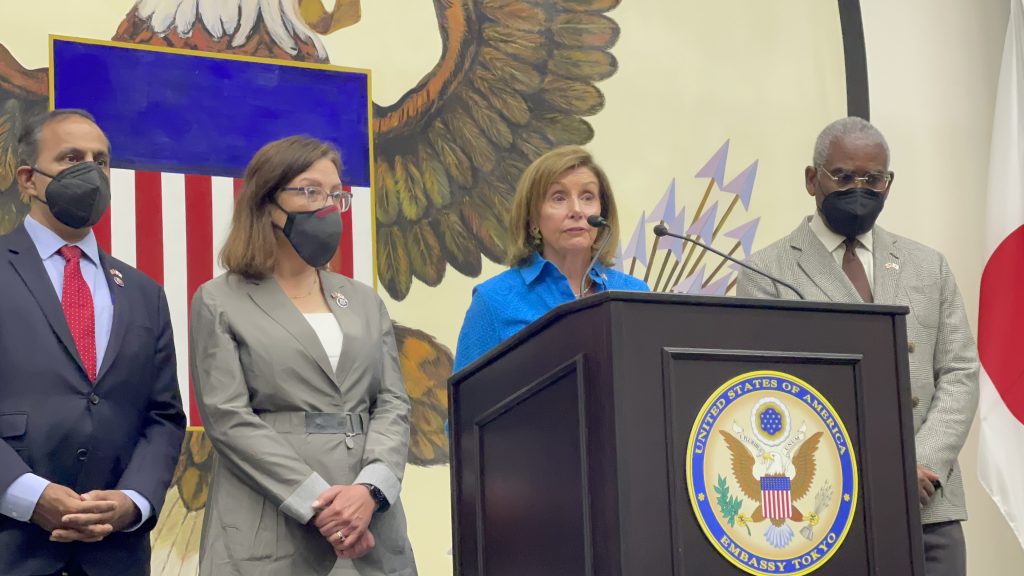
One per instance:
(892, 266)
(118, 278)
(339, 299)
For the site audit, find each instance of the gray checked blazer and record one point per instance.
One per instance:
(943, 355)
(285, 425)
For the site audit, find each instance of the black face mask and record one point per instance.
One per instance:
(78, 195)
(313, 233)
(852, 212)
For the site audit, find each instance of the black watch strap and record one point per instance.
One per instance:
(378, 497)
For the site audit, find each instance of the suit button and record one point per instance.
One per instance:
(83, 454)
(910, 347)
(94, 399)
(915, 401)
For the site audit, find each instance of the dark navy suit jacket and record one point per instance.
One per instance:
(123, 433)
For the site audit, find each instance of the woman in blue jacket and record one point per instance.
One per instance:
(550, 249)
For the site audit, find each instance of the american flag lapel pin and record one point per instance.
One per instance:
(339, 299)
(892, 266)
(118, 278)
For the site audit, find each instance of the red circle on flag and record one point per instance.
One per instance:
(1001, 321)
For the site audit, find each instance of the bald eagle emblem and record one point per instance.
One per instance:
(771, 475)
(774, 479)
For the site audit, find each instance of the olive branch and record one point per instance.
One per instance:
(729, 506)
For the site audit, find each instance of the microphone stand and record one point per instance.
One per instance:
(661, 230)
(596, 222)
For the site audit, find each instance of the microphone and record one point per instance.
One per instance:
(661, 230)
(595, 221)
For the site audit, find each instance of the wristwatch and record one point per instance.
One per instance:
(378, 497)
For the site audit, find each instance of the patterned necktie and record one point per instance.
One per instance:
(854, 270)
(78, 308)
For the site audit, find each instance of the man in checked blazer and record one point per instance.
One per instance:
(837, 254)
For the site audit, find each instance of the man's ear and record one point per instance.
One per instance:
(26, 182)
(810, 173)
(892, 177)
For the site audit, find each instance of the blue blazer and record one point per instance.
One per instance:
(510, 301)
(124, 433)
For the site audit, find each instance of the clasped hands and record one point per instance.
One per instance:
(90, 517)
(343, 516)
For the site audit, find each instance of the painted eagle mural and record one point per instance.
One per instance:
(515, 78)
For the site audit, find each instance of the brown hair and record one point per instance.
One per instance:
(533, 187)
(250, 248)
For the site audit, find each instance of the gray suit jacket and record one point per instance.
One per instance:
(257, 368)
(943, 356)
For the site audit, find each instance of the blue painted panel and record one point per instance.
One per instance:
(196, 114)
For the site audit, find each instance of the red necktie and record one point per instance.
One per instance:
(76, 300)
(854, 270)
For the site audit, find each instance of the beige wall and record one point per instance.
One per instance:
(24, 26)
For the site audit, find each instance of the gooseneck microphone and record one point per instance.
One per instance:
(595, 221)
(662, 230)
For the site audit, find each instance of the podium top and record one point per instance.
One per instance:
(661, 298)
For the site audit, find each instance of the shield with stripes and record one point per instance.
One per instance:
(775, 497)
(182, 127)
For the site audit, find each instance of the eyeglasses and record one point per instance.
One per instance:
(877, 181)
(317, 196)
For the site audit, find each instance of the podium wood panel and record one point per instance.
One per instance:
(569, 439)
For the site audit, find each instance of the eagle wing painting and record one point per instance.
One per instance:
(23, 94)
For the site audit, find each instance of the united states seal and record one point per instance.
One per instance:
(771, 474)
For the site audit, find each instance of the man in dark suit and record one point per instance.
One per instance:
(90, 413)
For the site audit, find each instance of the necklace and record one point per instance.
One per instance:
(316, 281)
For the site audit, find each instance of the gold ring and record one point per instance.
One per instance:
(341, 537)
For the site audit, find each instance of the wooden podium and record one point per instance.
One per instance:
(572, 441)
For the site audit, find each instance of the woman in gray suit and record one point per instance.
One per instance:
(296, 375)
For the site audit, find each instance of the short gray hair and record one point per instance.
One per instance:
(28, 140)
(845, 127)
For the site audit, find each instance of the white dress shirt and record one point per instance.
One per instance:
(327, 330)
(835, 244)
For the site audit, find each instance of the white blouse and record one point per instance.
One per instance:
(331, 337)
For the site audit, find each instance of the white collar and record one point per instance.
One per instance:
(831, 239)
